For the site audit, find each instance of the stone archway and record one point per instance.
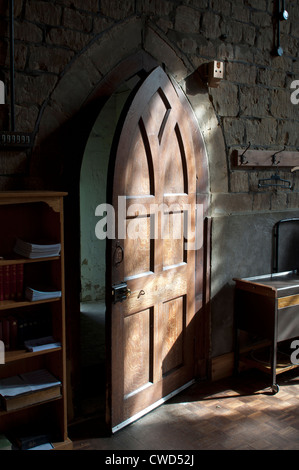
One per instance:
(66, 121)
(91, 77)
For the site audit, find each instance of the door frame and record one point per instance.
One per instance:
(80, 125)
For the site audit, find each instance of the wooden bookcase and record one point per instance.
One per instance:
(35, 215)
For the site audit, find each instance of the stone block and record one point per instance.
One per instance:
(261, 201)
(279, 201)
(187, 20)
(239, 182)
(26, 117)
(261, 132)
(281, 105)
(125, 38)
(249, 34)
(229, 203)
(240, 73)
(155, 7)
(287, 132)
(4, 116)
(261, 19)
(254, 101)
(196, 4)
(43, 12)
(74, 40)
(13, 163)
(117, 9)
(234, 131)
(79, 21)
(20, 57)
(225, 99)
(74, 87)
(271, 77)
(4, 47)
(233, 31)
(28, 32)
(35, 89)
(211, 25)
(293, 197)
(165, 52)
(49, 59)
(257, 4)
(243, 53)
(240, 13)
(87, 5)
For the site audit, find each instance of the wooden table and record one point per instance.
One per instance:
(268, 306)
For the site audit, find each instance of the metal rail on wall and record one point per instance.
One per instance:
(12, 140)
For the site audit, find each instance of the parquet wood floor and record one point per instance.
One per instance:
(232, 414)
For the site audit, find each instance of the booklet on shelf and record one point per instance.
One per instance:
(36, 250)
(41, 293)
(41, 344)
(27, 383)
(28, 389)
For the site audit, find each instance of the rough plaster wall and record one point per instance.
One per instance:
(93, 185)
(242, 247)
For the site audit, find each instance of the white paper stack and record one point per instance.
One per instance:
(27, 382)
(41, 294)
(36, 250)
(41, 344)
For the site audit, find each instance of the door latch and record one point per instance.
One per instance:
(120, 292)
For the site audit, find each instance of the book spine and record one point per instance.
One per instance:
(19, 281)
(6, 335)
(13, 281)
(6, 282)
(1, 284)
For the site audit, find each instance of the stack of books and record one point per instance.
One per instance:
(15, 330)
(11, 281)
(41, 344)
(36, 250)
(29, 388)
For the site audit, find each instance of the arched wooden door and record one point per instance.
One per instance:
(151, 313)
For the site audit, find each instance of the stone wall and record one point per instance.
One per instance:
(64, 48)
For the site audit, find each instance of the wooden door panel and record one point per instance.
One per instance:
(137, 171)
(173, 239)
(137, 247)
(138, 352)
(152, 333)
(173, 331)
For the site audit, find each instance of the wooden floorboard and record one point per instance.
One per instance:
(232, 414)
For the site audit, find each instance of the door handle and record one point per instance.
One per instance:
(120, 292)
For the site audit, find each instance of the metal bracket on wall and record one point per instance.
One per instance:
(15, 140)
(264, 158)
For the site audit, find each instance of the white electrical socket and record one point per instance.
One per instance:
(215, 73)
(218, 69)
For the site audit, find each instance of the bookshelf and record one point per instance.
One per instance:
(31, 216)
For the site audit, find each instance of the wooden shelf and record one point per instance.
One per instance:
(38, 403)
(18, 354)
(18, 260)
(64, 445)
(9, 304)
(249, 362)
